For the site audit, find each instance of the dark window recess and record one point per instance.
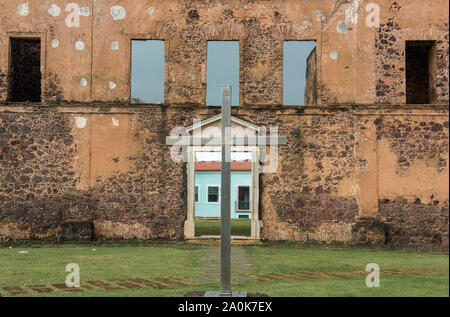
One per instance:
(419, 72)
(244, 198)
(213, 194)
(25, 70)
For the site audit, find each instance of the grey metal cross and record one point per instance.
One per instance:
(226, 141)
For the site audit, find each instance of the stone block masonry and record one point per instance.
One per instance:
(361, 165)
(56, 171)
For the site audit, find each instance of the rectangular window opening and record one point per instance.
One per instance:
(420, 61)
(213, 194)
(243, 198)
(25, 70)
(299, 73)
(222, 68)
(196, 195)
(147, 71)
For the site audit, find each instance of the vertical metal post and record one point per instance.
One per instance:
(225, 229)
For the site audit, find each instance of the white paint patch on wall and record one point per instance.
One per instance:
(54, 10)
(112, 85)
(334, 55)
(118, 12)
(79, 45)
(115, 122)
(351, 14)
(319, 15)
(84, 11)
(342, 27)
(22, 9)
(115, 45)
(83, 82)
(55, 43)
(80, 122)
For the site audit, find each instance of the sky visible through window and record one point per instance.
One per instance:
(222, 69)
(295, 54)
(147, 71)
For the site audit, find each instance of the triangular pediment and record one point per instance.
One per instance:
(215, 121)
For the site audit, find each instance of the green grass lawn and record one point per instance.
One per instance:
(239, 227)
(45, 265)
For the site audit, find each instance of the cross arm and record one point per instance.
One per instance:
(235, 140)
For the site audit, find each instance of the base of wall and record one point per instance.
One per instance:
(76, 230)
(235, 240)
(368, 230)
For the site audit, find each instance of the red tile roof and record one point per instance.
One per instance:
(217, 166)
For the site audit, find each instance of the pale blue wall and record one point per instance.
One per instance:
(202, 179)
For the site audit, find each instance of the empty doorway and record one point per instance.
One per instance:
(210, 155)
(207, 208)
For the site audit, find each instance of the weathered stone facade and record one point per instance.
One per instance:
(360, 166)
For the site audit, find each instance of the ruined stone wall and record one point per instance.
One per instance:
(360, 166)
(59, 167)
(390, 51)
(414, 159)
(113, 168)
(311, 79)
(357, 61)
